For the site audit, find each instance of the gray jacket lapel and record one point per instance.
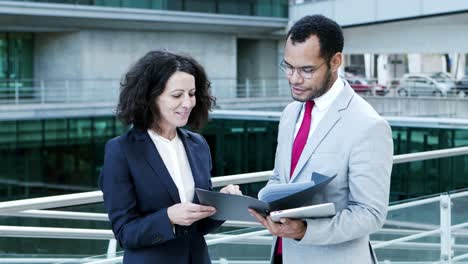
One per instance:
(324, 127)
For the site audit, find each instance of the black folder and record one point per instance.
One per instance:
(280, 197)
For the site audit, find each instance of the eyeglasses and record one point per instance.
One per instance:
(305, 72)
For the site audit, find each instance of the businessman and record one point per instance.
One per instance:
(329, 129)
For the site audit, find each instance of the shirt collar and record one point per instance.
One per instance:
(323, 102)
(157, 137)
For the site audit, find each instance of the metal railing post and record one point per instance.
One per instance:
(279, 87)
(42, 92)
(446, 253)
(16, 92)
(115, 90)
(247, 88)
(264, 88)
(233, 88)
(112, 248)
(67, 91)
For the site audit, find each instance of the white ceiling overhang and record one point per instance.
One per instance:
(37, 17)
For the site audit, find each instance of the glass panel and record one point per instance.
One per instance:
(268, 8)
(112, 3)
(204, 6)
(54, 156)
(80, 130)
(16, 66)
(175, 5)
(56, 133)
(409, 221)
(20, 47)
(96, 258)
(3, 56)
(137, 4)
(256, 248)
(460, 216)
(54, 248)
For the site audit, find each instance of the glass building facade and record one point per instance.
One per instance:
(268, 8)
(58, 156)
(16, 64)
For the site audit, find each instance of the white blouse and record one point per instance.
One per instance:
(175, 158)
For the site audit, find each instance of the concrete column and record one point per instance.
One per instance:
(414, 63)
(458, 65)
(383, 71)
(369, 65)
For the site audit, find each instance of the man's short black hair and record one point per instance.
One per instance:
(327, 31)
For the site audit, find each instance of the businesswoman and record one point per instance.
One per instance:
(150, 172)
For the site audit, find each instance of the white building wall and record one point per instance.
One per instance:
(458, 65)
(426, 63)
(57, 56)
(383, 73)
(414, 63)
(351, 12)
(116, 50)
(99, 58)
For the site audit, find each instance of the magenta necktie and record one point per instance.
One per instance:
(299, 144)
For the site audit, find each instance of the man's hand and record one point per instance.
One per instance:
(289, 228)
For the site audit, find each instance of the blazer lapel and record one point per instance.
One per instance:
(152, 156)
(324, 127)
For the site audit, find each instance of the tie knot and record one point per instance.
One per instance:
(308, 107)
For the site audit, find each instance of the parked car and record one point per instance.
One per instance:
(361, 85)
(425, 85)
(461, 86)
(444, 77)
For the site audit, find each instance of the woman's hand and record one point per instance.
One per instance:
(186, 213)
(231, 189)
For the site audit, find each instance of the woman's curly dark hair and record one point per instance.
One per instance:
(146, 80)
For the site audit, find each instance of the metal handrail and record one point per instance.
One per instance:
(433, 154)
(96, 196)
(51, 202)
(51, 214)
(212, 239)
(28, 208)
(55, 232)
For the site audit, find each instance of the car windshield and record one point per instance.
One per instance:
(441, 77)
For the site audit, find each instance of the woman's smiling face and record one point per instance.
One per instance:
(176, 102)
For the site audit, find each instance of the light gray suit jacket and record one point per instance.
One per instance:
(355, 143)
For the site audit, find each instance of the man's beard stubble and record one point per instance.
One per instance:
(323, 88)
(326, 85)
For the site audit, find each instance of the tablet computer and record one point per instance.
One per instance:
(312, 211)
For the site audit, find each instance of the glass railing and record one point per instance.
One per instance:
(244, 250)
(228, 91)
(410, 221)
(115, 258)
(264, 8)
(432, 229)
(28, 91)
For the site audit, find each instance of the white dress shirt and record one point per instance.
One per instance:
(322, 104)
(175, 158)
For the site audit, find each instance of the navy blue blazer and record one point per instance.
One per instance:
(138, 190)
